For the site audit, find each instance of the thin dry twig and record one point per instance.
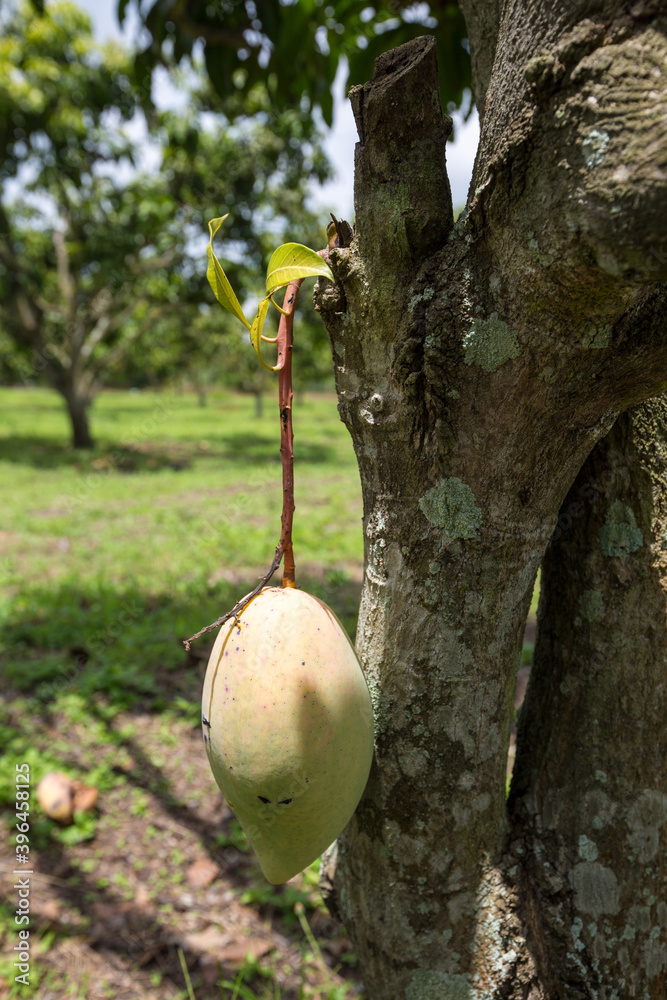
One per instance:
(240, 605)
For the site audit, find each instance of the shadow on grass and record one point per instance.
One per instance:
(40, 453)
(128, 645)
(247, 449)
(121, 650)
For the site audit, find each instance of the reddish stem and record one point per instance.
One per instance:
(285, 342)
(284, 548)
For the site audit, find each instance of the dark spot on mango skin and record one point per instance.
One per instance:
(262, 799)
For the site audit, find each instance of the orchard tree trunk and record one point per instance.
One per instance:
(477, 366)
(78, 405)
(202, 394)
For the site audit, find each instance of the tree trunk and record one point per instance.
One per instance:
(202, 395)
(77, 408)
(589, 795)
(477, 366)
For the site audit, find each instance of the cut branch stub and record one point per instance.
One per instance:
(403, 211)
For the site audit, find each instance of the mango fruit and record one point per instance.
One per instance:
(55, 794)
(60, 796)
(288, 726)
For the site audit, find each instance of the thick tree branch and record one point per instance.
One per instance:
(572, 166)
(108, 322)
(589, 795)
(66, 283)
(26, 314)
(91, 339)
(121, 348)
(636, 368)
(475, 383)
(47, 306)
(402, 198)
(482, 21)
(53, 350)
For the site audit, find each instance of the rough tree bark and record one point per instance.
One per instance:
(589, 793)
(477, 366)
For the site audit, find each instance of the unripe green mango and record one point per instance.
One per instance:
(288, 727)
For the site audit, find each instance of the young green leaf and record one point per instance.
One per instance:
(292, 261)
(256, 332)
(217, 278)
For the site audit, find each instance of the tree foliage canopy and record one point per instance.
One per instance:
(53, 95)
(295, 49)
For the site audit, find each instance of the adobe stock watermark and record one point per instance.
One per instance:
(655, 264)
(23, 870)
(26, 369)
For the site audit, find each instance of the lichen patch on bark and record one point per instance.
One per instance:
(427, 985)
(451, 505)
(646, 817)
(597, 337)
(593, 147)
(490, 343)
(587, 848)
(596, 888)
(590, 605)
(619, 535)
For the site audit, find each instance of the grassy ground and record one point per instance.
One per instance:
(107, 561)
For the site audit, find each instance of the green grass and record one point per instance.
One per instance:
(110, 557)
(188, 491)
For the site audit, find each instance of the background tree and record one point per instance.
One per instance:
(93, 249)
(294, 50)
(480, 369)
(196, 350)
(203, 349)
